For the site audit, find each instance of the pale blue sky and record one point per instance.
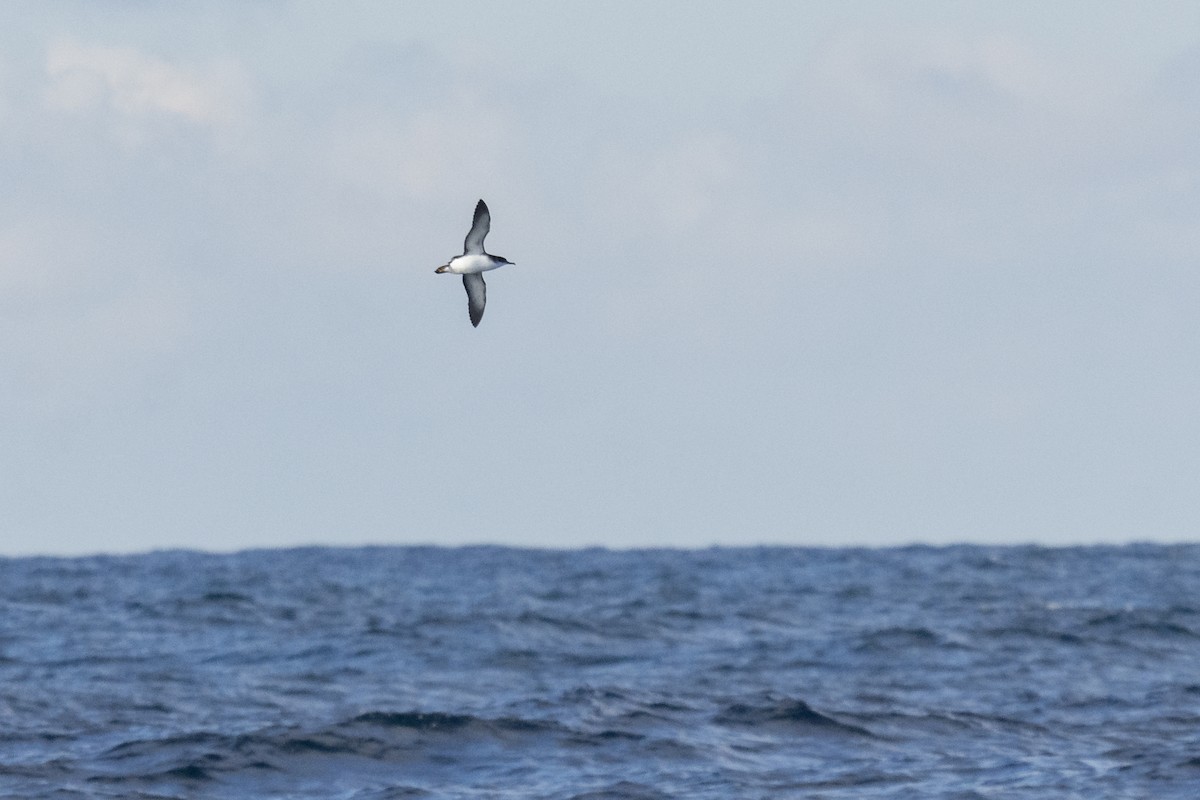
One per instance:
(807, 273)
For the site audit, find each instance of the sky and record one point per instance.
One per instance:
(836, 274)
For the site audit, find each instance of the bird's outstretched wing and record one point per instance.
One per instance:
(473, 245)
(476, 294)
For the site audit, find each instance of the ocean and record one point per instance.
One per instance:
(487, 672)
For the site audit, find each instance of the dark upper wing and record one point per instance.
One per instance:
(479, 229)
(476, 296)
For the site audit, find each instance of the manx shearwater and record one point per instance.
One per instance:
(474, 262)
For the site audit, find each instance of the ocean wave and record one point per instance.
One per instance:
(789, 712)
(388, 673)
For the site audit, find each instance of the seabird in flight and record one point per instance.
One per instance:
(474, 262)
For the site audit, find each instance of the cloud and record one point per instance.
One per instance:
(688, 181)
(922, 70)
(81, 309)
(5, 103)
(99, 214)
(432, 151)
(86, 78)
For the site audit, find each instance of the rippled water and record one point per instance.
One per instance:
(959, 672)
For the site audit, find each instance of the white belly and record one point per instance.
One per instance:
(473, 263)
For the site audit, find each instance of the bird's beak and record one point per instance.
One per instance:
(442, 268)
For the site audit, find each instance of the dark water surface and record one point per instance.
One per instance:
(961, 672)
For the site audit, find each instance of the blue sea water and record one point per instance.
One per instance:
(960, 672)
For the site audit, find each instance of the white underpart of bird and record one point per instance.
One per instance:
(474, 261)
